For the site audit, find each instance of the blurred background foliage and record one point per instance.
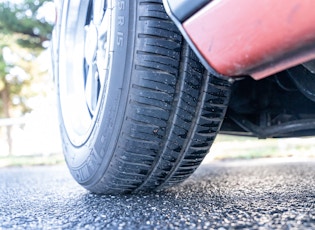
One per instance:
(25, 31)
(24, 34)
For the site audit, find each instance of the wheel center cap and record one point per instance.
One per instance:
(91, 43)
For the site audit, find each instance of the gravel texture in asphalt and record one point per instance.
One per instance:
(220, 195)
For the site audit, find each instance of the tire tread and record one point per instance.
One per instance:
(174, 111)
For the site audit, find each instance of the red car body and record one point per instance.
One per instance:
(256, 38)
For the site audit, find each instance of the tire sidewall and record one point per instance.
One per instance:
(88, 162)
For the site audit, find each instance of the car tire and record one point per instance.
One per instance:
(138, 111)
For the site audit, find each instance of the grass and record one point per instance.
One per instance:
(31, 160)
(233, 147)
(224, 148)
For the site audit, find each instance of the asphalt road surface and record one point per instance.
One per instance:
(230, 195)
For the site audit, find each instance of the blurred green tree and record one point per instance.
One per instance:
(25, 31)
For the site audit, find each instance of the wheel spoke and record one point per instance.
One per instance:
(102, 53)
(91, 43)
(96, 53)
(104, 26)
(91, 88)
(98, 11)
